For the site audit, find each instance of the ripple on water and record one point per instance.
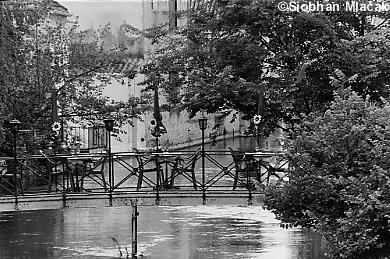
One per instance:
(215, 232)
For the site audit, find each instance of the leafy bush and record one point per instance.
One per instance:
(339, 180)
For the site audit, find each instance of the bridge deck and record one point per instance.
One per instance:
(144, 198)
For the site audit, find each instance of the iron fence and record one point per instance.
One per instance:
(132, 172)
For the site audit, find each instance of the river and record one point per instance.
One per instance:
(183, 232)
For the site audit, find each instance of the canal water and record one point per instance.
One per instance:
(183, 232)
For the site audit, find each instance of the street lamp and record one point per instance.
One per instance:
(14, 128)
(109, 125)
(203, 126)
(203, 123)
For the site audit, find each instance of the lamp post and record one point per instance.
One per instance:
(14, 128)
(203, 126)
(109, 125)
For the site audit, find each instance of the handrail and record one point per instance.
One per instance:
(220, 170)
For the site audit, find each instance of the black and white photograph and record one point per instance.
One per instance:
(194, 129)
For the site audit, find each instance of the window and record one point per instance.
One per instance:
(97, 137)
(219, 121)
(172, 14)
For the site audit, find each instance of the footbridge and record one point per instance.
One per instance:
(53, 181)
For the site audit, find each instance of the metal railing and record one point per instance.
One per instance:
(133, 172)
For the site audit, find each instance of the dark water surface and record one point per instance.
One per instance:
(164, 233)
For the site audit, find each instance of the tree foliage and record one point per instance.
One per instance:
(230, 52)
(40, 52)
(339, 181)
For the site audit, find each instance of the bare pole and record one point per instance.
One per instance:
(134, 229)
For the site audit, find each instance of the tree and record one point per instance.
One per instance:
(43, 57)
(339, 179)
(230, 53)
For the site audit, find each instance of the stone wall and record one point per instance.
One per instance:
(184, 131)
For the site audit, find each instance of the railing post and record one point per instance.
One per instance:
(157, 180)
(203, 171)
(110, 167)
(15, 169)
(14, 128)
(109, 125)
(112, 183)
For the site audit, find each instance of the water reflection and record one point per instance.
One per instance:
(26, 234)
(164, 232)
